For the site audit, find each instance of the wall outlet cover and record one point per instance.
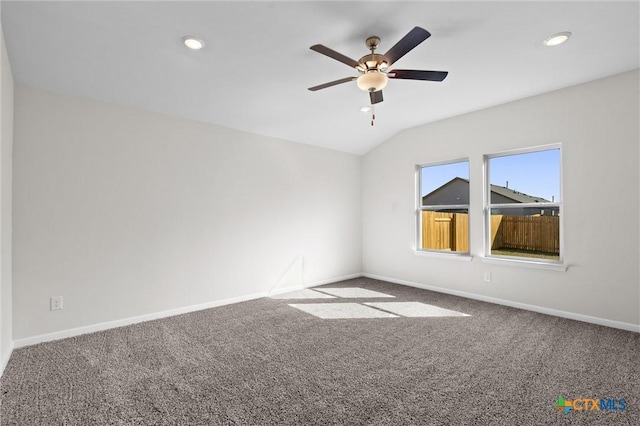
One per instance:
(55, 303)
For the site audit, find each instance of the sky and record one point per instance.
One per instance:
(535, 173)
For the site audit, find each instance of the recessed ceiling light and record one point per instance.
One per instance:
(193, 43)
(365, 108)
(557, 39)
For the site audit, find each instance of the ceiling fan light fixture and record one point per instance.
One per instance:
(193, 43)
(557, 39)
(372, 81)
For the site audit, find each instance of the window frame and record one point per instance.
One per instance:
(488, 207)
(420, 208)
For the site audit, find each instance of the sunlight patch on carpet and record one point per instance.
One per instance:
(353, 292)
(303, 294)
(341, 310)
(415, 309)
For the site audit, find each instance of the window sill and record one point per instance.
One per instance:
(562, 267)
(466, 257)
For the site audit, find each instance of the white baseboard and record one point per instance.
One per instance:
(277, 291)
(540, 309)
(63, 334)
(334, 280)
(5, 358)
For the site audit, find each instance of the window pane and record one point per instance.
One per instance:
(445, 230)
(445, 184)
(525, 178)
(515, 232)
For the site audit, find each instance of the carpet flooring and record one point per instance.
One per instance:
(263, 362)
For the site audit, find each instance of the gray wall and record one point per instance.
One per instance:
(598, 126)
(127, 213)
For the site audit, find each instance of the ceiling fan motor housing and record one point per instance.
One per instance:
(372, 61)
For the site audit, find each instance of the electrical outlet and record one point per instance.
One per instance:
(487, 277)
(55, 303)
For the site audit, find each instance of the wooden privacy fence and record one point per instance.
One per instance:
(531, 233)
(445, 231)
(450, 231)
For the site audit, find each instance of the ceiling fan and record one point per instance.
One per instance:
(374, 68)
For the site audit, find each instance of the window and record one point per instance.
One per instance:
(443, 213)
(523, 205)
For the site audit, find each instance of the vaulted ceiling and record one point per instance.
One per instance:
(256, 66)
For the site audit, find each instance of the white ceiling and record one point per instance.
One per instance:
(256, 67)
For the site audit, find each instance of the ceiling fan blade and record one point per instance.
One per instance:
(335, 55)
(418, 75)
(331, 83)
(413, 38)
(376, 97)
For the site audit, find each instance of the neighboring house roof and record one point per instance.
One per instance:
(517, 197)
(446, 184)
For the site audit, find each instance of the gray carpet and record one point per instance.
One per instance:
(264, 362)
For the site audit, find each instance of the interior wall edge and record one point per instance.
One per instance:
(331, 281)
(5, 359)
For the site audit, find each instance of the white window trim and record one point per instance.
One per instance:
(535, 263)
(525, 263)
(466, 256)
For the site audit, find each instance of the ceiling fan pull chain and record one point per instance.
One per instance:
(373, 118)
